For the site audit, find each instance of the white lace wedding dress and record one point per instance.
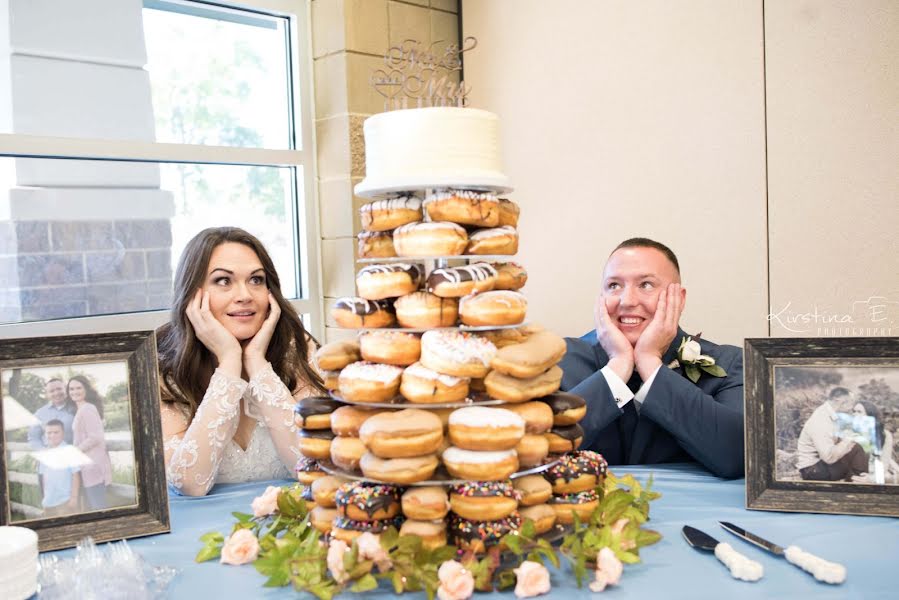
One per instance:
(202, 452)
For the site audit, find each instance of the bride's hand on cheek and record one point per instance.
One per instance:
(254, 352)
(213, 334)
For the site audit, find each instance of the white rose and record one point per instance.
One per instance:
(706, 360)
(690, 352)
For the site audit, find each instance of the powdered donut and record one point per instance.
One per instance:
(485, 428)
(457, 353)
(480, 466)
(500, 307)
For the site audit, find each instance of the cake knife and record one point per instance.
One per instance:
(822, 570)
(740, 566)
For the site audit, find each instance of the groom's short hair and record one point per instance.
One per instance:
(641, 242)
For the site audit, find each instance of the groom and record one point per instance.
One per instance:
(641, 406)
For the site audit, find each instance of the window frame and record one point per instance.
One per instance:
(306, 222)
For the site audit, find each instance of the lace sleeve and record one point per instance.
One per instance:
(194, 453)
(272, 404)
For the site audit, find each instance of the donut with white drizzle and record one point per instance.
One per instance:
(454, 282)
(378, 282)
(383, 215)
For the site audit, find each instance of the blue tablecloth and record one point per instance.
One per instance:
(868, 546)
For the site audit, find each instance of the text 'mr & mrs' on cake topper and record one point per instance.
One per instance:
(415, 76)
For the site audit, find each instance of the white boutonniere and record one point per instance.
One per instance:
(689, 355)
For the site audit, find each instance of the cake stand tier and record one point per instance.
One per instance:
(468, 257)
(400, 402)
(463, 328)
(440, 477)
(373, 187)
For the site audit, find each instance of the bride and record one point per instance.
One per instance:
(233, 362)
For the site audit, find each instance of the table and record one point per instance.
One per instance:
(868, 546)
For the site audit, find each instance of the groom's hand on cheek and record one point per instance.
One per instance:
(613, 341)
(661, 331)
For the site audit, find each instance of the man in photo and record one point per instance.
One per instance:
(57, 408)
(641, 406)
(820, 455)
(60, 486)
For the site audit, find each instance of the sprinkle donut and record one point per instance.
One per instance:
(477, 536)
(484, 500)
(364, 501)
(456, 353)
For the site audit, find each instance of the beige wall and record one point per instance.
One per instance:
(648, 118)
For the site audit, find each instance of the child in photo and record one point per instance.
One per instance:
(60, 485)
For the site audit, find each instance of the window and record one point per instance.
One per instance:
(122, 137)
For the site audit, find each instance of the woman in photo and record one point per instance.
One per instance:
(883, 439)
(233, 361)
(88, 436)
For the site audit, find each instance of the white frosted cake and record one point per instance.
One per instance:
(431, 148)
(18, 563)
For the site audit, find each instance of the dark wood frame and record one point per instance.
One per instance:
(763, 491)
(151, 514)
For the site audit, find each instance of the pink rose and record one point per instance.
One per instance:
(240, 548)
(532, 579)
(267, 503)
(608, 570)
(456, 582)
(335, 560)
(370, 549)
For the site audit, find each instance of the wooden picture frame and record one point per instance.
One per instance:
(126, 485)
(787, 380)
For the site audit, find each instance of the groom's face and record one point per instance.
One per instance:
(632, 281)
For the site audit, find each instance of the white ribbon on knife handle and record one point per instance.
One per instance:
(822, 570)
(741, 566)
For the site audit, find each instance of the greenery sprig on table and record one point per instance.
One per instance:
(291, 551)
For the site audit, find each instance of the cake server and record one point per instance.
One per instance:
(822, 570)
(740, 566)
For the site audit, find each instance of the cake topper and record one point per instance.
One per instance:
(414, 76)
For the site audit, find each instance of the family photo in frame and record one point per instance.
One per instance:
(81, 437)
(822, 421)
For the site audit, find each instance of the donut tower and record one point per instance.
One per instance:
(445, 417)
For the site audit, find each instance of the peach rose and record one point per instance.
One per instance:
(608, 570)
(617, 527)
(370, 549)
(456, 582)
(240, 548)
(335, 560)
(532, 579)
(267, 503)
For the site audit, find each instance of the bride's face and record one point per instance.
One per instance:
(238, 290)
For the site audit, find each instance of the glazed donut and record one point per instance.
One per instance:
(322, 518)
(315, 443)
(512, 389)
(477, 536)
(500, 307)
(505, 337)
(353, 312)
(484, 428)
(582, 503)
(508, 213)
(531, 357)
(567, 408)
(379, 282)
(347, 530)
(483, 500)
(499, 240)
(330, 379)
(336, 355)
(425, 503)
(424, 386)
(542, 515)
(455, 282)
(314, 412)
(576, 472)
(564, 439)
(307, 470)
(538, 417)
(324, 490)
(532, 489)
(439, 238)
(532, 449)
(369, 382)
(382, 215)
(375, 244)
(431, 533)
(390, 347)
(364, 501)
(422, 310)
(457, 353)
(402, 471)
(402, 434)
(346, 420)
(509, 276)
(346, 452)
(463, 206)
(480, 466)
